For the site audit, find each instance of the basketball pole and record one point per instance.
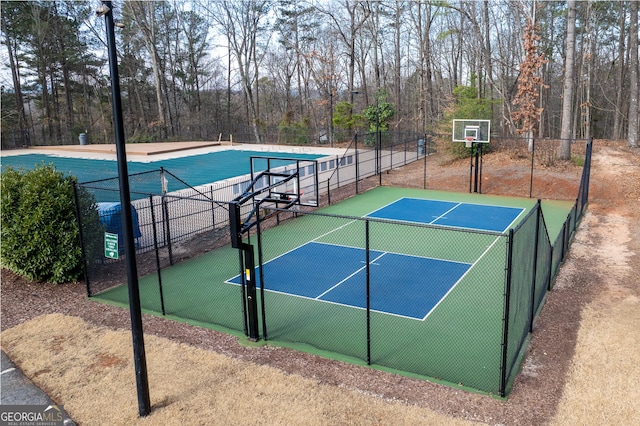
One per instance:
(139, 358)
(477, 171)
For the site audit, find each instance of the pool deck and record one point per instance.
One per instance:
(133, 149)
(149, 152)
(144, 149)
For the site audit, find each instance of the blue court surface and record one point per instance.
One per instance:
(402, 285)
(450, 214)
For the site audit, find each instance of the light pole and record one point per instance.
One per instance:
(139, 358)
(331, 117)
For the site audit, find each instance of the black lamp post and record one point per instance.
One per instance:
(331, 117)
(139, 358)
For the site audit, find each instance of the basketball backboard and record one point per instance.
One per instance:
(479, 130)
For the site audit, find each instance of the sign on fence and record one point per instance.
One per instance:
(110, 245)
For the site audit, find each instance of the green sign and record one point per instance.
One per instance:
(110, 245)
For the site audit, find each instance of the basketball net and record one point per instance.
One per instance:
(468, 141)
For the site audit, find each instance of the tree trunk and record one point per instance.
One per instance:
(568, 87)
(15, 75)
(617, 117)
(143, 14)
(488, 67)
(397, 72)
(588, 58)
(632, 135)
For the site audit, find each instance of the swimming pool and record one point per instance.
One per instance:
(196, 170)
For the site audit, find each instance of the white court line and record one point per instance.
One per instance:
(8, 370)
(515, 219)
(392, 252)
(333, 230)
(445, 213)
(460, 279)
(345, 279)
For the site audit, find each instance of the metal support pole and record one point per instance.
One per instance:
(81, 235)
(378, 144)
(260, 265)
(331, 118)
(142, 382)
(534, 278)
(368, 291)
(475, 179)
(504, 368)
(470, 172)
(481, 154)
(424, 166)
(252, 305)
(156, 250)
(533, 153)
(357, 162)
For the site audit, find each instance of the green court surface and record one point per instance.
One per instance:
(459, 342)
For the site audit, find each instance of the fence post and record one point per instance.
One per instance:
(405, 152)
(368, 290)
(550, 277)
(565, 231)
(166, 224)
(155, 247)
(424, 168)
(81, 236)
(587, 165)
(533, 152)
(505, 319)
(260, 266)
(535, 266)
(213, 210)
(379, 157)
(357, 162)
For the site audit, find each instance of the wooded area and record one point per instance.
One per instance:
(306, 72)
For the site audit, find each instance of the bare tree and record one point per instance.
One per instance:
(529, 83)
(632, 135)
(143, 14)
(348, 33)
(568, 87)
(243, 23)
(10, 28)
(618, 117)
(422, 17)
(586, 72)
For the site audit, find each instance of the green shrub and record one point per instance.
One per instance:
(39, 234)
(577, 161)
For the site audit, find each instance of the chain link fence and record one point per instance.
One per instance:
(476, 336)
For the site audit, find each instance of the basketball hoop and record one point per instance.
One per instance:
(468, 141)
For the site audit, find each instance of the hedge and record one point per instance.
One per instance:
(39, 231)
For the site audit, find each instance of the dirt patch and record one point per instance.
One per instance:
(586, 329)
